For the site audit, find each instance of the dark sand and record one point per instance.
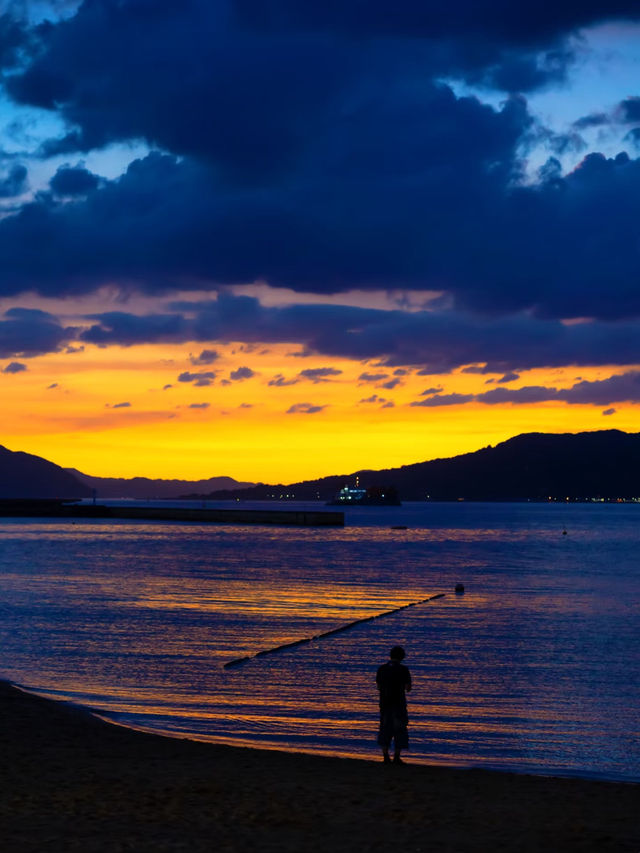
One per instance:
(72, 782)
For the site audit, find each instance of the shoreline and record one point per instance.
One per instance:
(74, 781)
(371, 756)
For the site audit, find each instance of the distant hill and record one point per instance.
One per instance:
(143, 488)
(533, 466)
(25, 476)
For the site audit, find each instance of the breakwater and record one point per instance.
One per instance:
(339, 630)
(60, 509)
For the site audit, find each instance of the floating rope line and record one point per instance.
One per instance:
(295, 643)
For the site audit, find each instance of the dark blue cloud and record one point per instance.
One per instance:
(630, 110)
(514, 46)
(436, 342)
(381, 401)
(443, 400)
(15, 40)
(207, 356)
(280, 381)
(620, 388)
(199, 379)
(304, 409)
(28, 332)
(14, 367)
(182, 76)
(73, 181)
(241, 373)
(498, 21)
(131, 329)
(564, 248)
(319, 374)
(312, 146)
(372, 377)
(14, 182)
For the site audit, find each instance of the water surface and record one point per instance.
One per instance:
(535, 668)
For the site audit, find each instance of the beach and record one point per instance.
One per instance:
(71, 781)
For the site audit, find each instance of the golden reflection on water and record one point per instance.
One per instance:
(524, 669)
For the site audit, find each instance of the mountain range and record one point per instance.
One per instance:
(533, 466)
(144, 488)
(23, 475)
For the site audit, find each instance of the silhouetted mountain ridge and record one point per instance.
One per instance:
(531, 466)
(23, 475)
(145, 488)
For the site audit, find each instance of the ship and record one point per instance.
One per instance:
(373, 496)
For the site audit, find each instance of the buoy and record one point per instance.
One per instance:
(459, 588)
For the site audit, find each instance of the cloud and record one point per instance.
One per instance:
(166, 387)
(443, 400)
(319, 374)
(207, 356)
(304, 409)
(14, 182)
(609, 412)
(201, 379)
(360, 170)
(53, 385)
(619, 388)
(125, 405)
(28, 332)
(199, 405)
(630, 110)
(14, 367)
(73, 181)
(377, 400)
(130, 329)
(436, 342)
(429, 391)
(146, 229)
(15, 40)
(279, 381)
(592, 120)
(509, 377)
(372, 377)
(392, 383)
(241, 373)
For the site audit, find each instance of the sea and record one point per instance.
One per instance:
(535, 668)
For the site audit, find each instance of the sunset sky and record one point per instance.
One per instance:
(277, 239)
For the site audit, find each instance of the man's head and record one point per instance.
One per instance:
(397, 653)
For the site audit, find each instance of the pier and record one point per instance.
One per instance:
(237, 515)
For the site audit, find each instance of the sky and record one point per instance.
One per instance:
(275, 239)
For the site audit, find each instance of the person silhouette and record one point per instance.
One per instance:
(394, 682)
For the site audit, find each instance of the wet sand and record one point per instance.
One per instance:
(71, 782)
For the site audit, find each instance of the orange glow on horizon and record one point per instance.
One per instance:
(70, 409)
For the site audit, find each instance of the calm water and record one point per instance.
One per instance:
(535, 668)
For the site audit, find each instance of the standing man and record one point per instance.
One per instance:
(393, 680)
